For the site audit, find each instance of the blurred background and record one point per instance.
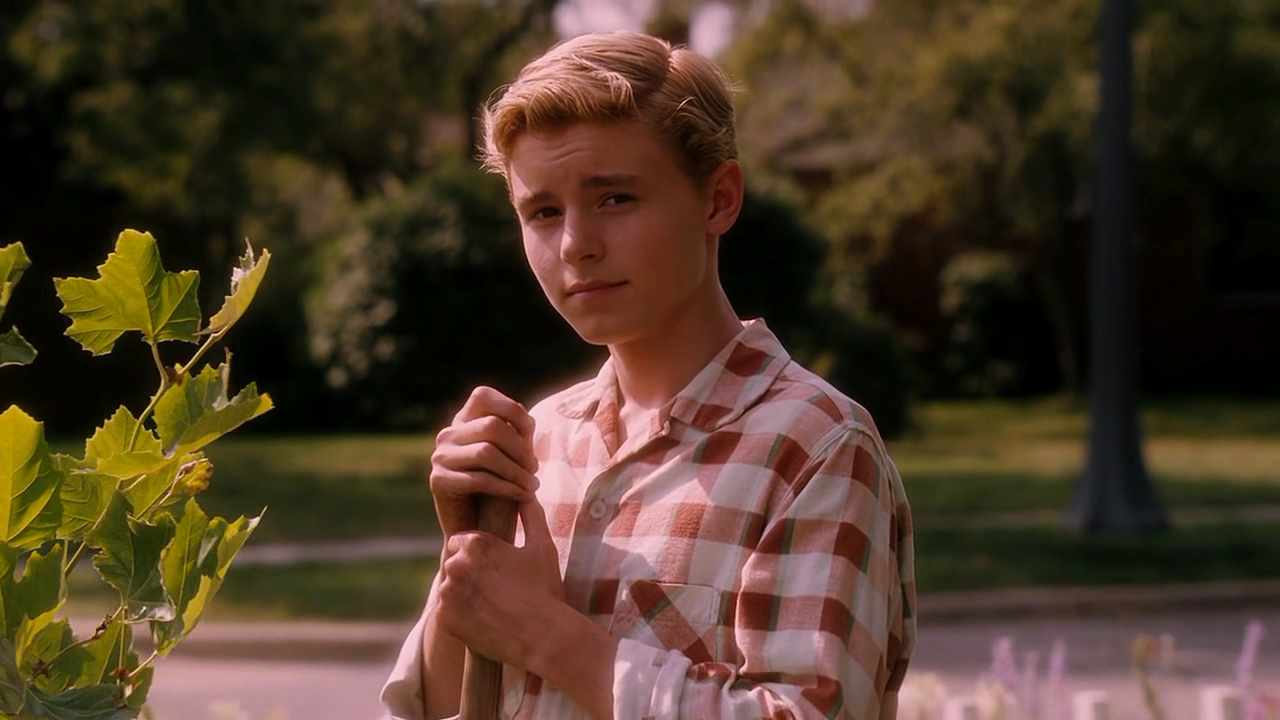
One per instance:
(922, 176)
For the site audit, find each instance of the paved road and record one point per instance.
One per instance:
(1098, 657)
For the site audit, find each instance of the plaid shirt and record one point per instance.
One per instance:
(752, 551)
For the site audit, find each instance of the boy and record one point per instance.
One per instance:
(709, 530)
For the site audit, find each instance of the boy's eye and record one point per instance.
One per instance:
(618, 199)
(543, 213)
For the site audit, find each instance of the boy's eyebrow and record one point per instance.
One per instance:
(591, 181)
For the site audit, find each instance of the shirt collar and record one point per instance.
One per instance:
(721, 392)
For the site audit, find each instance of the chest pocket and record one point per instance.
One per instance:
(671, 616)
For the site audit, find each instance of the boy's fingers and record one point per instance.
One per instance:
(468, 441)
(460, 483)
(487, 401)
(534, 520)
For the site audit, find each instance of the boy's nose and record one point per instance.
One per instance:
(579, 243)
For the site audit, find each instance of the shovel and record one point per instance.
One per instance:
(481, 676)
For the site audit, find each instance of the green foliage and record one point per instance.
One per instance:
(801, 302)
(969, 125)
(118, 502)
(133, 293)
(993, 320)
(384, 306)
(14, 350)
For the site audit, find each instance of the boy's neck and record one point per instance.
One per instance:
(653, 370)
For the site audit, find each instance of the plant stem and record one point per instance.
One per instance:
(96, 634)
(124, 647)
(155, 399)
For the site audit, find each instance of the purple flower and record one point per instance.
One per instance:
(1004, 669)
(1027, 695)
(1253, 705)
(1057, 703)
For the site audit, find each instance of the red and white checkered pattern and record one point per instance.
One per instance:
(752, 552)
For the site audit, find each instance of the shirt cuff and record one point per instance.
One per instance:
(647, 682)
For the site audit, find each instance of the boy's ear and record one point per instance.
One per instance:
(727, 187)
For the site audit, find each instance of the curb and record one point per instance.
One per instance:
(311, 641)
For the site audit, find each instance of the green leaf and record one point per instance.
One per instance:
(94, 702)
(29, 509)
(195, 411)
(133, 292)
(234, 536)
(130, 560)
(105, 653)
(147, 492)
(15, 350)
(40, 594)
(55, 644)
(13, 689)
(181, 569)
(108, 450)
(10, 598)
(205, 570)
(245, 280)
(13, 262)
(85, 497)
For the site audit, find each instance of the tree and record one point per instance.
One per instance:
(213, 121)
(967, 117)
(972, 122)
(1115, 492)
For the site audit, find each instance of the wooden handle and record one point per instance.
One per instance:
(482, 677)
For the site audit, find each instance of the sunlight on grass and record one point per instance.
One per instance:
(978, 457)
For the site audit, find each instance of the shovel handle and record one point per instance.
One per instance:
(482, 677)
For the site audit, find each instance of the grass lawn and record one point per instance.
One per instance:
(962, 459)
(374, 590)
(966, 458)
(946, 560)
(324, 488)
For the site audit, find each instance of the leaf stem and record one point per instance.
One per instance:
(134, 673)
(161, 499)
(71, 562)
(213, 340)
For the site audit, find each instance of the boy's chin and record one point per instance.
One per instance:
(602, 334)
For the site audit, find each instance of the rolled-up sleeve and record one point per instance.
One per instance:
(824, 617)
(402, 696)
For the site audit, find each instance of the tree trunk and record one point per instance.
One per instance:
(1114, 492)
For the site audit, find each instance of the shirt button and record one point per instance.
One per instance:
(598, 510)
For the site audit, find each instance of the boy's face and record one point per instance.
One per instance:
(622, 240)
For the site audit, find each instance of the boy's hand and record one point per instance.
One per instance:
(498, 599)
(486, 450)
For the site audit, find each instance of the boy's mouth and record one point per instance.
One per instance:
(592, 287)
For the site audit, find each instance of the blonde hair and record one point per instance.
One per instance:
(616, 77)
